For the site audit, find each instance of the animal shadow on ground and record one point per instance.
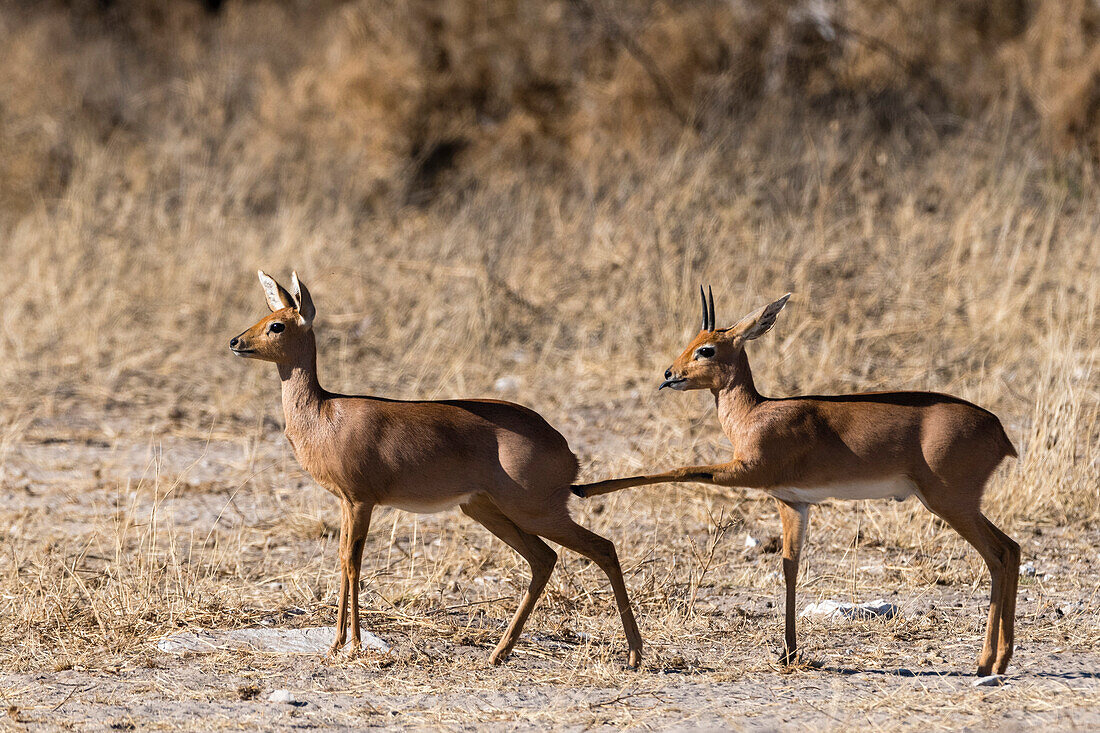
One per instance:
(903, 672)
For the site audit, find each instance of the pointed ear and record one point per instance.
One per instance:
(303, 299)
(759, 323)
(277, 296)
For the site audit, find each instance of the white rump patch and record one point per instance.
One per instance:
(894, 487)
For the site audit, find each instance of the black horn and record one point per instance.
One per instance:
(710, 309)
(703, 298)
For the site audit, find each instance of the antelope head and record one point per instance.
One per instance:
(281, 336)
(709, 360)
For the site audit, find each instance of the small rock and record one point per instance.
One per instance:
(751, 541)
(1027, 570)
(877, 608)
(284, 696)
(993, 680)
(315, 640)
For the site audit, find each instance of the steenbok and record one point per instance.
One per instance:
(501, 463)
(873, 445)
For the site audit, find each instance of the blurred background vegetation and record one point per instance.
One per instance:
(363, 108)
(534, 188)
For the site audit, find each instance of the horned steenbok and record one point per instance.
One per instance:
(876, 445)
(501, 463)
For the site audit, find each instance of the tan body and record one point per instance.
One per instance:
(501, 463)
(804, 450)
(424, 457)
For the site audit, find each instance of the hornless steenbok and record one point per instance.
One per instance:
(875, 445)
(501, 463)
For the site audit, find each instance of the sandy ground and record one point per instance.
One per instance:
(328, 696)
(713, 669)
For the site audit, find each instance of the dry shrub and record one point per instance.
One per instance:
(1057, 63)
(369, 104)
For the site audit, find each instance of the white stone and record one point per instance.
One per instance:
(1027, 570)
(878, 608)
(315, 640)
(993, 680)
(751, 541)
(283, 696)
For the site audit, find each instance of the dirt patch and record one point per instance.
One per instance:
(113, 544)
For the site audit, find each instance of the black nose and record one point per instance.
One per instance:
(668, 374)
(233, 342)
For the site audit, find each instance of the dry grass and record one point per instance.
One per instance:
(534, 208)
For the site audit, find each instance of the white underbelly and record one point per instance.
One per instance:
(429, 506)
(894, 487)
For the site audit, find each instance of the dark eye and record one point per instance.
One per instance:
(276, 327)
(705, 352)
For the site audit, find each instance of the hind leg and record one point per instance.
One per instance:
(537, 554)
(1010, 552)
(999, 557)
(559, 527)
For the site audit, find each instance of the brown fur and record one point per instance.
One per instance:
(502, 463)
(944, 447)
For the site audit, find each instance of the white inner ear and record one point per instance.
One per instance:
(759, 327)
(272, 293)
(302, 300)
(296, 290)
(276, 297)
(760, 323)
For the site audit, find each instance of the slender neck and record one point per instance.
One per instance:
(301, 390)
(739, 391)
